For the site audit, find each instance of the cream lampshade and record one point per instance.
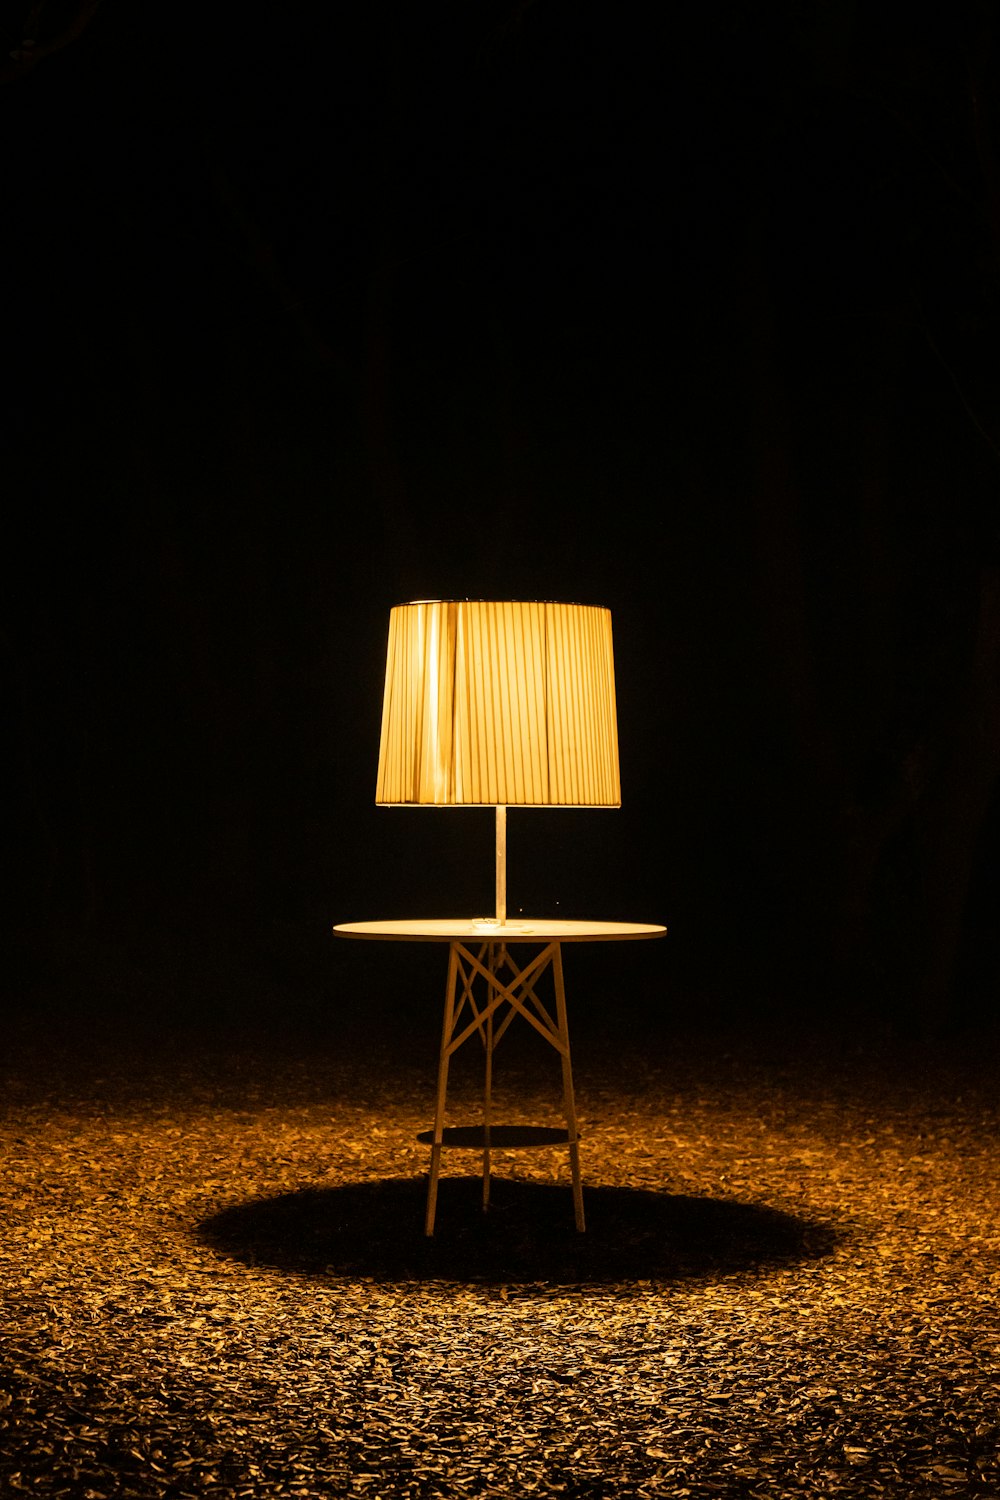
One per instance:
(499, 704)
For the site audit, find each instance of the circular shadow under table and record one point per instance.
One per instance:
(376, 1229)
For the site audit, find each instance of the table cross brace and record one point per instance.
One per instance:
(471, 965)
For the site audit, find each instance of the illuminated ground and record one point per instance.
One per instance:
(216, 1283)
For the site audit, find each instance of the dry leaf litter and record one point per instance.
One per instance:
(215, 1281)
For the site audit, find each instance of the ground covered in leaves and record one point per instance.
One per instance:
(215, 1283)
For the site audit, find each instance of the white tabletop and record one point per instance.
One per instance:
(486, 930)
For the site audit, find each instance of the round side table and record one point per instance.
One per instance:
(487, 987)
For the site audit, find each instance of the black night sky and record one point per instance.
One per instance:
(688, 310)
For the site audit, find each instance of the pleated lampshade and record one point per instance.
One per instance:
(499, 703)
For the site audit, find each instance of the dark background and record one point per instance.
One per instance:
(689, 310)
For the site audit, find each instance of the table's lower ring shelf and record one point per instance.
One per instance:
(501, 1137)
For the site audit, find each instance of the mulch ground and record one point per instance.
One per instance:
(215, 1281)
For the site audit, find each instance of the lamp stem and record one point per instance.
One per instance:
(501, 865)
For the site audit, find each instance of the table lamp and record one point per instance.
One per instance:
(499, 705)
